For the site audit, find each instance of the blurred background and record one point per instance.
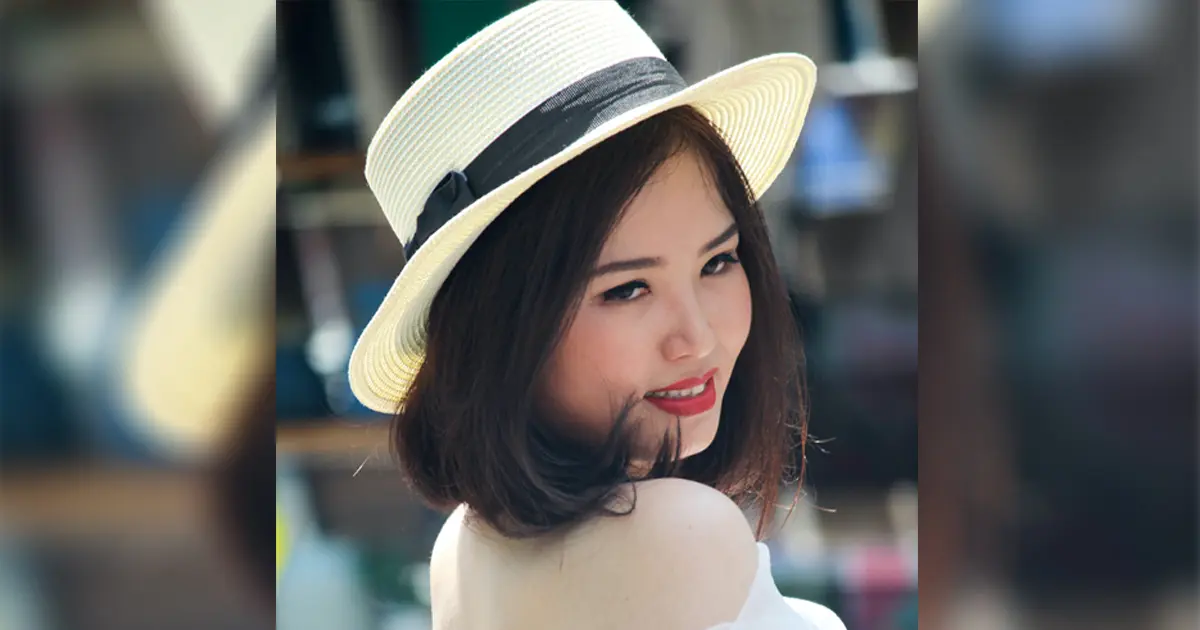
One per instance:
(843, 218)
(1058, 303)
(137, 230)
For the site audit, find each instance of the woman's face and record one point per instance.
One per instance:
(663, 318)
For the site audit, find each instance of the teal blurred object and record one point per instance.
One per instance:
(299, 392)
(444, 25)
(395, 577)
(906, 617)
(810, 579)
(35, 423)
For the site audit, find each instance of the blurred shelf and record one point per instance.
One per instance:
(309, 168)
(347, 206)
(878, 76)
(351, 440)
(90, 501)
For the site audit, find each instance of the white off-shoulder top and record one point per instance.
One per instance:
(767, 609)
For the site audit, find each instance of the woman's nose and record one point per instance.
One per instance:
(691, 335)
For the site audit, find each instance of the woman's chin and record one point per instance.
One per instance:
(699, 432)
(696, 432)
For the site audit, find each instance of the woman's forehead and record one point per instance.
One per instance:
(678, 207)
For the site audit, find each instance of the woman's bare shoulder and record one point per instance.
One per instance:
(685, 557)
(676, 516)
(683, 511)
(444, 555)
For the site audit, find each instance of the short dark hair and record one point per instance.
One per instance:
(470, 430)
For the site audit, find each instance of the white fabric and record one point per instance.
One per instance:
(767, 609)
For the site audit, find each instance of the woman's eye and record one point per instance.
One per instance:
(626, 292)
(719, 264)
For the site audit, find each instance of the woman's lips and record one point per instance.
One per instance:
(689, 383)
(691, 405)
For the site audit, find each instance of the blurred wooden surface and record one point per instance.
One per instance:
(335, 438)
(317, 167)
(86, 501)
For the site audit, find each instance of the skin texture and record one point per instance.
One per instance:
(655, 568)
(643, 329)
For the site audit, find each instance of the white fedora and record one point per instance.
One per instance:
(511, 104)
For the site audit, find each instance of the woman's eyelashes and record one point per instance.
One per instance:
(635, 289)
(720, 263)
(626, 292)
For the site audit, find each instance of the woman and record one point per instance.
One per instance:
(590, 353)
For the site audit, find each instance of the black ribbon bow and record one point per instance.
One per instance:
(451, 195)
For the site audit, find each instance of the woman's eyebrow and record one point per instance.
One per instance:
(720, 239)
(626, 265)
(643, 263)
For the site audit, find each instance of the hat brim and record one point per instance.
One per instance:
(758, 106)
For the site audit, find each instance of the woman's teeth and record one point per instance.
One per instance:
(679, 393)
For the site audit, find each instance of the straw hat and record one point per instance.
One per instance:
(507, 107)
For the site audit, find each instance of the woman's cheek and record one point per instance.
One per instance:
(617, 347)
(732, 311)
(747, 305)
(604, 358)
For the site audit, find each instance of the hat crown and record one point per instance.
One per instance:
(487, 83)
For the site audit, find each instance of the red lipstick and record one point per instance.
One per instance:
(688, 383)
(692, 405)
